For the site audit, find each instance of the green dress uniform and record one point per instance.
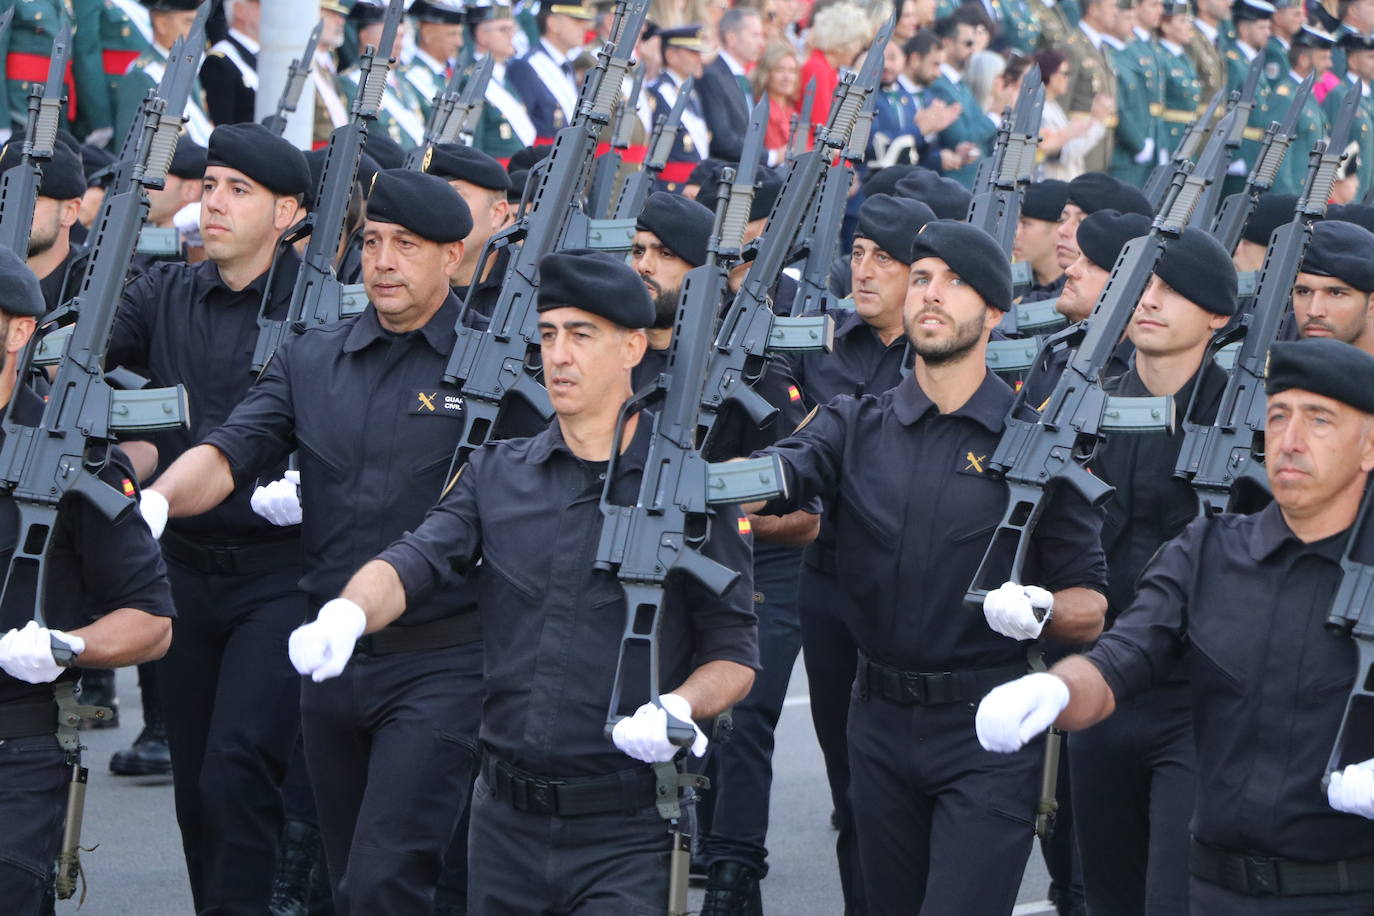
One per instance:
(1019, 25)
(1312, 126)
(145, 73)
(1361, 132)
(1092, 74)
(1139, 108)
(1073, 13)
(504, 128)
(1276, 62)
(24, 55)
(401, 116)
(1237, 66)
(1338, 52)
(427, 78)
(1182, 95)
(972, 126)
(1208, 63)
(1052, 21)
(108, 39)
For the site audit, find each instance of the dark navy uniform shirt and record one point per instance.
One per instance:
(488, 290)
(375, 432)
(179, 323)
(913, 507)
(858, 364)
(1249, 602)
(94, 565)
(530, 510)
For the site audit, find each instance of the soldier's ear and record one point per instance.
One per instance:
(18, 333)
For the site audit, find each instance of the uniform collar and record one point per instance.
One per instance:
(249, 43)
(1270, 533)
(431, 64)
(438, 332)
(1207, 31)
(1175, 50)
(283, 281)
(1093, 34)
(550, 442)
(987, 407)
(855, 322)
(950, 74)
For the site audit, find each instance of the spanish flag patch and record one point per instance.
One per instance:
(128, 487)
(793, 393)
(744, 526)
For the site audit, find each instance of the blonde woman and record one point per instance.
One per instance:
(777, 77)
(838, 34)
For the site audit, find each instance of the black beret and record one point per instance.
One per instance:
(704, 171)
(365, 13)
(1341, 250)
(1103, 234)
(525, 159)
(1093, 191)
(385, 151)
(189, 159)
(261, 155)
(972, 254)
(767, 186)
(1271, 211)
(22, 297)
(517, 186)
(455, 162)
(1359, 214)
(367, 170)
(1248, 10)
(884, 181)
(1201, 271)
(1044, 200)
(947, 198)
(682, 225)
(441, 11)
(97, 164)
(66, 139)
(595, 282)
(63, 176)
(425, 204)
(891, 223)
(1323, 366)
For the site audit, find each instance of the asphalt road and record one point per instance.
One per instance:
(137, 870)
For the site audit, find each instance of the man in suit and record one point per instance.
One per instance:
(726, 95)
(544, 78)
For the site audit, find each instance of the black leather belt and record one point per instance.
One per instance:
(28, 719)
(914, 688)
(231, 560)
(1265, 876)
(624, 791)
(444, 633)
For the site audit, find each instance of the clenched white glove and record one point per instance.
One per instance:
(644, 735)
(323, 647)
(27, 654)
(187, 223)
(1010, 610)
(1014, 713)
(1147, 152)
(152, 505)
(280, 501)
(1352, 790)
(100, 136)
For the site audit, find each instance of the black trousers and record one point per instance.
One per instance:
(1134, 779)
(392, 750)
(524, 864)
(230, 696)
(831, 659)
(943, 825)
(33, 804)
(1215, 900)
(741, 769)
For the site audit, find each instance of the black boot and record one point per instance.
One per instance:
(297, 858)
(98, 689)
(148, 756)
(732, 889)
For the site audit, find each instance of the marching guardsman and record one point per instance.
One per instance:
(1182, 88)
(1310, 48)
(438, 39)
(544, 79)
(1212, 16)
(110, 35)
(682, 54)
(107, 601)
(25, 55)
(54, 256)
(401, 117)
(170, 20)
(1020, 30)
(1359, 63)
(331, 101)
(505, 126)
(1091, 74)
(230, 71)
(1140, 94)
(1252, 23)
(1356, 19)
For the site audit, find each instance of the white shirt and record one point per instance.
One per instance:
(730, 62)
(250, 43)
(1093, 34)
(1207, 31)
(1172, 48)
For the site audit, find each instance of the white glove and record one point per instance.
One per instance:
(1014, 713)
(323, 647)
(100, 136)
(1352, 790)
(1238, 168)
(644, 735)
(152, 505)
(27, 654)
(1010, 610)
(187, 223)
(280, 501)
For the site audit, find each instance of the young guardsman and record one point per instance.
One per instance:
(942, 826)
(1240, 603)
(108, 601)
(562, 819)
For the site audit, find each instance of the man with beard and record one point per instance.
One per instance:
(1331, 296)
(52, 255)
(670, 239)
(943, 826)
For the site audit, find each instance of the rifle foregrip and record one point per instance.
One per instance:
(1322, 184)
(608, 92)
(161, 150)
(370, 95)
(45, 130)
(1272, 161)
(1185, 202)
(736, 217)
(847, 115)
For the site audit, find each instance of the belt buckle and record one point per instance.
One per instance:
(222, 559)
(1261, 876)
(542, 796)
(913, 687)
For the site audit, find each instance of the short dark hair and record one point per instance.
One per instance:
(921, 44)
(948, 27)
(733, 20)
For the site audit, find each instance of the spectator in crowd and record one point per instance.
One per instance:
(777, 77)
(839, 33)
(1065, 143)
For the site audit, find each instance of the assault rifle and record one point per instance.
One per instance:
(1352, 614)
(636, 188)
(1240, 105)
(19, 187)
(1216, 458)
(1052, 447)
(454, 112)
(800, 130)
(1236, 209)
(315, 300)
(1186, 151)
(295, 82)
(608, 163)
